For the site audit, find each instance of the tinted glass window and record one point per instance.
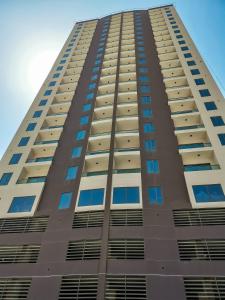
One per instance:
(208, 193)
(21, 204)
(65, 200)
(126, 195)
(155, 195)
(91, 197)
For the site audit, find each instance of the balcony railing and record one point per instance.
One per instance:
(194, 145)
(40, 159)
(200, 167)
(38, 179)
(56, 114)
(189, 127)
(184, 112)
(126, 149)
(97, 152)
(121, 171)
(127, 131)
(101, 133)
(52, 127)
(96, 173)
(46, 142)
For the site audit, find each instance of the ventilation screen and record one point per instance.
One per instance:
(19, 254)
(14, 288)
(202, 250)
(198, 217)
(78, 288)
(88, 219)
(208, 288)
(126, 217)
(21, 225)
(126, 288)
(126, 249)
(82, 250)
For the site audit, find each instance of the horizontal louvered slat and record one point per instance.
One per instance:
(202, 249)
(126, 249)
(22, 225)
(126, 217)
(19, 254)
(126, 287)
(78, 287)
(208, 288)
(198, 217)
(84, 249)
(88, 219)
(14, 288)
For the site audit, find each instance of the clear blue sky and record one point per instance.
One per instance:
(33, 32)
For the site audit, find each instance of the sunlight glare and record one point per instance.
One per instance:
(39, 67)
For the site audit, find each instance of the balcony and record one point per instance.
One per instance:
(181, 93)
(201, 167)
(105, 80)
(41, 154)
(173, 74)
(194, 145)
(184, 112)
(164, 44)
(104, 100)
(182, 107)
(107, 89)
(109, 71)
(126, 162)
(127, 47)
(59, 110)
(127, 77)
(96, 164)
(66, 98)
(48, 137)
(127, 125)
(40, 159)
(33, 174)
(126, 110)
(127, 87)
(189, 127)
(127, 68)
(101, 113)
(102, 127)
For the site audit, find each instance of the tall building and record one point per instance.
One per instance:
(113, 186)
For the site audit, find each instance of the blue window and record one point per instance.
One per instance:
(142, 60)
(94, 77)
(210, 105)
(68, 50)
(146, 99)
(76, 152)
(175, 26)
(31, 126)
(84, 120)
(208, 193)
(126, 195)
(140, 48)
(24, 141)
(95, 69)
(147, 113)
(91, 197)
(172, 22)
(149, 127)
(86, 107)
(66, 55)
(217, 121)
(179, 36)
(155, 195)
(144, 78)
(181, 42)
(191, 63)
(195, 71)
(71, 173)
(21, 204)
(65, 200)
(37, 113)
(97, 62)
(199, 81)
(171, 18)
(177, 31)
(91, 86)
(150, 145)
(52, 83)
(15, 159)
(187, 55)
(56, 75)
(4, 180)
(59, 68)
(48, 93)
(185, 48)
(152, 166)
(80, 135)
(143, 70)
(145, 89)
(221, 137)
(204, 93)
(90, 96)
(43, 102)
(142, 54)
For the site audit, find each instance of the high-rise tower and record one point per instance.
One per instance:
(113, 186)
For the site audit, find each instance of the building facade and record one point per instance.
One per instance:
(113, 186)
